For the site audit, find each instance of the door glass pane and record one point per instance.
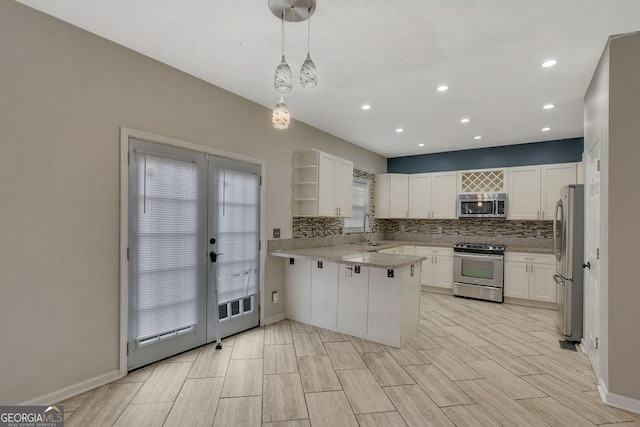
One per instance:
(477, 269)
(166, 245)
(237, 235)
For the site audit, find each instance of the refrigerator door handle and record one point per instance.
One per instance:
(557, 239)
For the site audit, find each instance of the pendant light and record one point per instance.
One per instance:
(280, 117)
(308, 71)
(283, 77)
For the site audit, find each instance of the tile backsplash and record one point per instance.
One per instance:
(469, 227)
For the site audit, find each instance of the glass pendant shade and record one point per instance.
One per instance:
(308, 73)
(280, 117)
(283, 77)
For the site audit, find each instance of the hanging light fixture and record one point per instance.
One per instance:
(280, 116)
(308, 71)
(291, 11)
(283, 77)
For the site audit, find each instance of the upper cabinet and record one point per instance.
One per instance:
(432, 195)
(322, 184)
(392, 195)
(534, 190)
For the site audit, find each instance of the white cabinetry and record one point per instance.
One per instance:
(392, 195)
(432, 195)
(529, 276)
(437, 269)
(371, 303)
(324, 294)
(297, 291)
(353, 293)
(322, 184)
(534, 190)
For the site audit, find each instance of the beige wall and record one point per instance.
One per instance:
(624, 208)
(612, 103)
(64, 93)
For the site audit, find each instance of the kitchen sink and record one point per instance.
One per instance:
(367, 244)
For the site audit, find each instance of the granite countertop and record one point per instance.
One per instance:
(366, 256)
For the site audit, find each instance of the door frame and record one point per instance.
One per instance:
(125, 134)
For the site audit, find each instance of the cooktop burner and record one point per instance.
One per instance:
(478, 248)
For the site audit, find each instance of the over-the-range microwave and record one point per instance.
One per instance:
(482, 205)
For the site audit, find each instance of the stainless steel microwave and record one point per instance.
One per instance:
(482, 205)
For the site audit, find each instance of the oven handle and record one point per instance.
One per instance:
(472, 255)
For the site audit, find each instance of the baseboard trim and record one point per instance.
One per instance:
(616, 400)
(531, 303)
(274, 319)
(435, 290)
(75, 389)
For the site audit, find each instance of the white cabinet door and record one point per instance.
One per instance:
(443, 277)
(408, 250)
(420, 195)
(297, 295)
(542, 287)
(443, 195)
(385, 305)
(516, 279)
(428, 274)
(344, 187)
(524, 192)
(324, 294)
(398, 195)
(353, 295)
(326, 185)
(554, 177)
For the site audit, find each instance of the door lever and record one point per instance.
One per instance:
(587, 265)
(214, 256)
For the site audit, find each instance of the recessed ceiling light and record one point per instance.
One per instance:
(546, 129)
(399, 130)
(548, 106)
(549, 63)
(477, 137)
(442, 88)
(465, 120)
(366, 107)
(421, 145)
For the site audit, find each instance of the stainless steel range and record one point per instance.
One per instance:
(478, 271)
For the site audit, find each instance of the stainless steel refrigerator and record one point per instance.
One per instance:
(568, 242)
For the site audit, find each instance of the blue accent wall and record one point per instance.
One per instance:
(536, 153)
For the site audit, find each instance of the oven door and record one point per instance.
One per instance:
(478, 269)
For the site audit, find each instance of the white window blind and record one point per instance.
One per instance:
(166, 244)
(238, 234)
(360, 200)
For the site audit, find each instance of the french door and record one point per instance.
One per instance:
(193, 250)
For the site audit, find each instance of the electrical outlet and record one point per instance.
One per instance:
(276, 233)
(275, 298)
(348, 271)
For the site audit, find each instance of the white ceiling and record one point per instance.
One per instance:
(390, 54)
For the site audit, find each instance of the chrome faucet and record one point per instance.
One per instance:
(364, 228)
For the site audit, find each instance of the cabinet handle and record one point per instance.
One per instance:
(526, 268)
(436, 259)
(542, 215)
(538, 215)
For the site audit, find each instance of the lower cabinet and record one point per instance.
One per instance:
(353, 293)
(297, 291)
(437, 269)
(324, 294)
(372, 303)
(528, 276)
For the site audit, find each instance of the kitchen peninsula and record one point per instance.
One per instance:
(354, 290)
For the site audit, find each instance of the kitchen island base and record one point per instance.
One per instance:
(376, 304)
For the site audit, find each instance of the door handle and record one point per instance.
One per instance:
(214, 256)
(559, 280)
(587, 265)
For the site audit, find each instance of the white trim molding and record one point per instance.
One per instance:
(273, 319)
(74, 389)
(125, 134)
(616, 400)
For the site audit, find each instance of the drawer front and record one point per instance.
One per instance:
(530, 258)
(428, 251)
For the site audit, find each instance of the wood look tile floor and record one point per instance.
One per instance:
(472, 363)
